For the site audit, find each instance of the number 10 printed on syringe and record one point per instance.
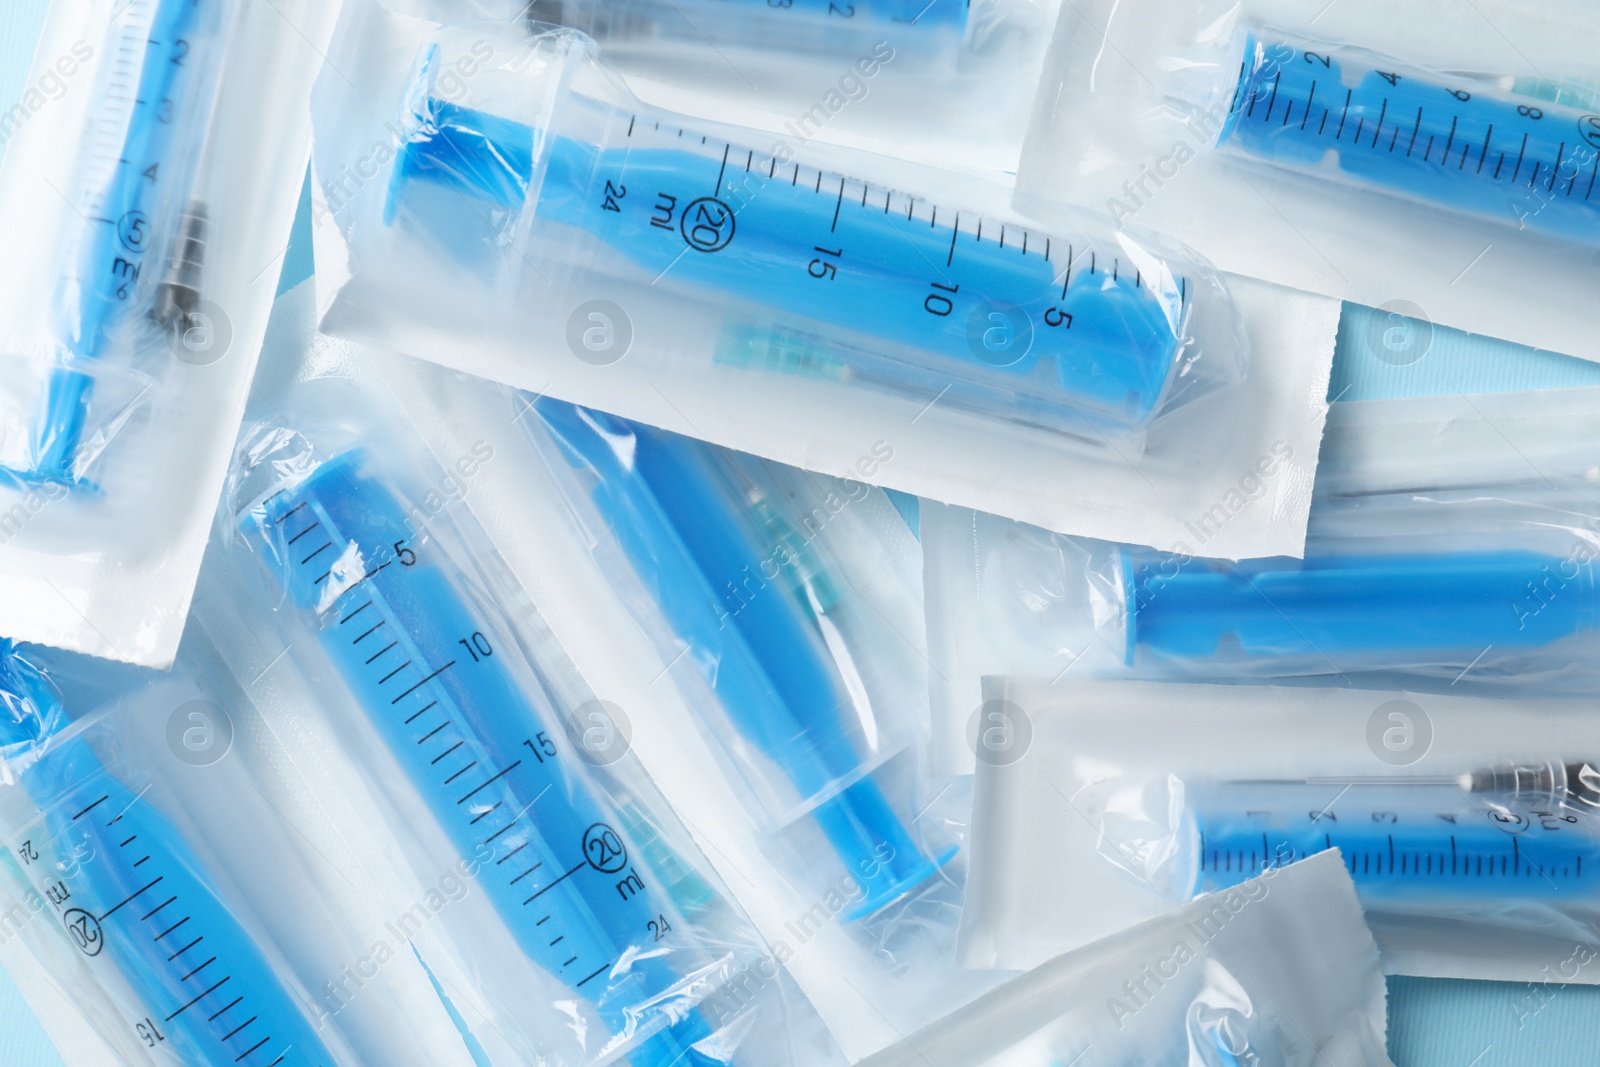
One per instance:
(133, 896)
(429, 670)
(836, 277)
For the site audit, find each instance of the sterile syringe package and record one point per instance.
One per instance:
(568, 917)
(1469, 825)
(1278, 969)
(150, 178)
(789, 599)
(1402, 156)
(1429, 564)
(501, 203)
(160, 888)
(769, 619)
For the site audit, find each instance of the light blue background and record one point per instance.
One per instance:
(1432, 1023)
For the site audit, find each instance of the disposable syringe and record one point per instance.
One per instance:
(765, 656)
(133, 896)
(429, 670)
(126, 218)
(852, 281)
(1414, 841)
(1462, 143)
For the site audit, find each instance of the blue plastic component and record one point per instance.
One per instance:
(430, 672)
(925, 15)
(1413, 843)
(763, 655)
(1465, 146)
(1042, 329)
(114, 243)
(133, 896)
(1384, 610)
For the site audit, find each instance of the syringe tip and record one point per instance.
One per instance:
(178, 297)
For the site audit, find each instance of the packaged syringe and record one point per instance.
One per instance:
(568, 916)
(149, 183)
(1469, 826)
(168, 898)
(527, 219)
(1397, 157)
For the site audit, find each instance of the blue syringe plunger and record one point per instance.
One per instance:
(1400, 609)
(771, 672)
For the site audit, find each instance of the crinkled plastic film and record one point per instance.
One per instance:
(571, 918)
(1280, 969)
(1363, 153)
(148, 185)
(148, 923)
(1470, 845)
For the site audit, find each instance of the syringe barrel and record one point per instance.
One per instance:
(131, 894)
(1461, 144)
(428, 669)
(1073, 333)
(1375, 611)
(1412, 843)
(135, 891)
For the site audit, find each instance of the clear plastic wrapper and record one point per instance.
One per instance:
(173, 943)
(1424, 577)
(1394, 153)
(1468, 825)
(146, 195)
(518, 184)
(749, 575)
(952, 86)
(773, 293)
(1280, 969)
(575, 922)
(761, 628)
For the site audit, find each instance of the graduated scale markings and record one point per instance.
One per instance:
(1417, 842)
(880, 262)
(427, 669)
(997, 316)
(130, 169)
(130, 892)
(1467, 146)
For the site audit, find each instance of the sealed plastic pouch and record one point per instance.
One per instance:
(152, 925)
(760, 628)
(1467, 825)
(1427, 573)
(147, 199)
(814, 273)
(1360, 153)
(520, 183)
(578, 926)
(1280, 970)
